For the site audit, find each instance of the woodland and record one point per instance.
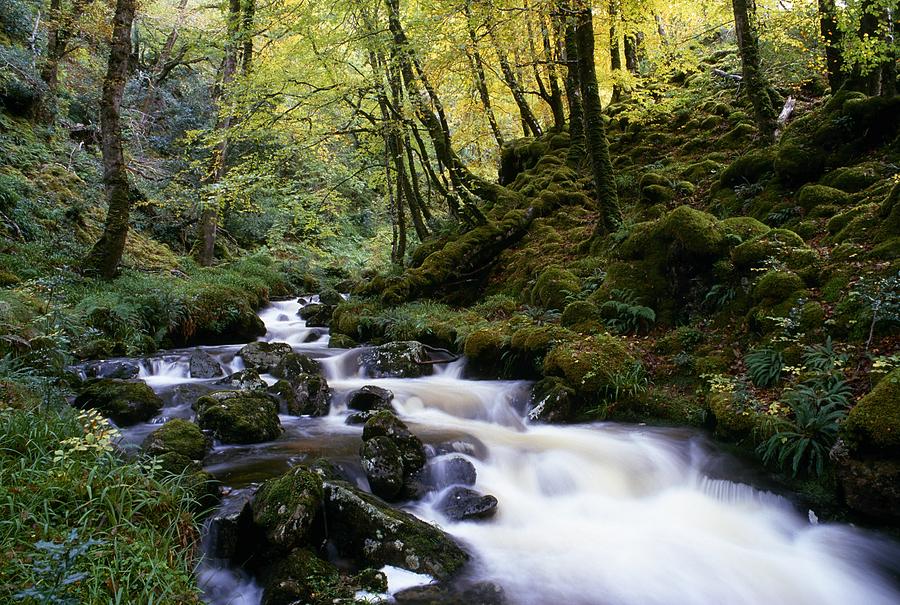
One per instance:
(676, 215)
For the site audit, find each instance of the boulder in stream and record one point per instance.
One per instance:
(245, 380)
(383, 465)
(303, 389)
(553, 400)
(179, 436)
(118, 368)
(385, 424)
(365, 528)
(405, 359)
(303, 578)
(124, 402)
(203, 365)
(232, 535)
(316, 315)
(462, 504)
(285, 507)
(370, 398)
(239, 417)
(264, 356)
(481, 593)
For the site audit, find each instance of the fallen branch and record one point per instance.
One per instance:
(724, 74)
(785, 115)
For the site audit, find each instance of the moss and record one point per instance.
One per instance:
(886, 250)
(873, 425)
(537, 340)
(179, 436)
(697, 232)
(286, 507)
(701, 170)
(743, 227)
(122, 401)
(578, 312)
(748, 169)
(797, 163)
(652, 178)
(812, 317)
(857, 225)
(732, 422)
(553, 286)
(739, 134)
(711, 122)
(341, 341)
(240, 418)
(780, 244)
(657, 194)
(681, 339)
(590, 364)
(852, 178)
(302, 577)
(8, 278)
(814, 196)
(484, 347)
(775, 286)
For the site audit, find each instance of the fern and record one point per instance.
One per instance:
(719, 296)
(823, 359)
(764, 366)
(624, 314)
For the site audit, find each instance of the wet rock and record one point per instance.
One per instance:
(341, 341)
(553, 400)
(124, 402)
(285, 508)
(872, 487)
(189, 392)
(245, 380)
(264, 356)
(232, 534)
(309, 394)
(242, 417)
(317, 315)
(203, 365)
(482, 593)
(462, 503)
(365, 528)
(330, 297)
(357, 418)
(396, 360)
(383, 465)
(303, 578)
(370, 398)
(385, 424)
(121, 369)
(371, 580)
(445, 472)
(180, 436)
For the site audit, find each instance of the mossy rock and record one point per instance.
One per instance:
(8, 278)
(179, 436)
(404, 359)
(537, 340)
(341, 341)
(484, 348)
(590, 364)
(748, 169)
(742, 228)
(812, 317)
(124, 402)
(852, 179)
(741, 133)
(286, 507)
(302, 577)
(797, 163)
(780, 244)
(330, 297)
(776, 286)
(382, 463)
(657, 194)
(873, 425)
(383, 423)
(653, 178)
(553, 286)
(813, 196)
(701, 171)
(242, 417)
(371, 532)
(681, 339)
(553, 400)
(731, 422)
(264, 356)
(579, 312)
(859, 225)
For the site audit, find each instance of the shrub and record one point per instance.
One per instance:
(764, 366)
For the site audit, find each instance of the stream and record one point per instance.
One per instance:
(601, 514)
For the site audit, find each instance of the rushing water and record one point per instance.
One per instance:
(593, 514)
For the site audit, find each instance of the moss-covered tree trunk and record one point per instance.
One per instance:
(754, 82)
(594, 128)
(831, 36)
(529, 120)
(555, 100)
(573, 87)
(60, 23)
(630, 49)
(106, 254)
(615, 59)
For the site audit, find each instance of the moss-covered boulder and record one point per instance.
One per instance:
(873, 425)
(780, 244)
(240, 416)
(553, 400)
(871, 486)
(733, 422)
(286, 507)
(852, 179)
(370, 399)
(406, 359)
(264, 356)
(590, 364)
(748, 169)
(385, 424)
(383, 464)
(553, 286)
(815, 196)
(369, 531)
(484, 349)
(579, 312)
(330, 297)
(776, 286)
(341, 341)
(180, 436)
(302, 577)
(124, 402)
(309, 393)
(245, 380)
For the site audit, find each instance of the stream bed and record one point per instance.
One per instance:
(600, 514)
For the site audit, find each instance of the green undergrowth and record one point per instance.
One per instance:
(82, 524)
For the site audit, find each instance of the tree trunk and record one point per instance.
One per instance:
(615, 59)
(555, 99)
(529, 120)
(573, 90)
(631, 53)
(106, 254)
(831, 34)
(59, 33)
(594, 129)
(248, 12)
(478, 70)
(209, 217)
(754, 81)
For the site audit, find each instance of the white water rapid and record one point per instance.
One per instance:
(600, 514)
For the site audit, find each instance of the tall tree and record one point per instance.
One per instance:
(61, 23)
(754, 82)
(831, 35)
(530, 124)
(107, 252)
(615, 59)
(594, 128)
(572, 84)
(477, 63)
